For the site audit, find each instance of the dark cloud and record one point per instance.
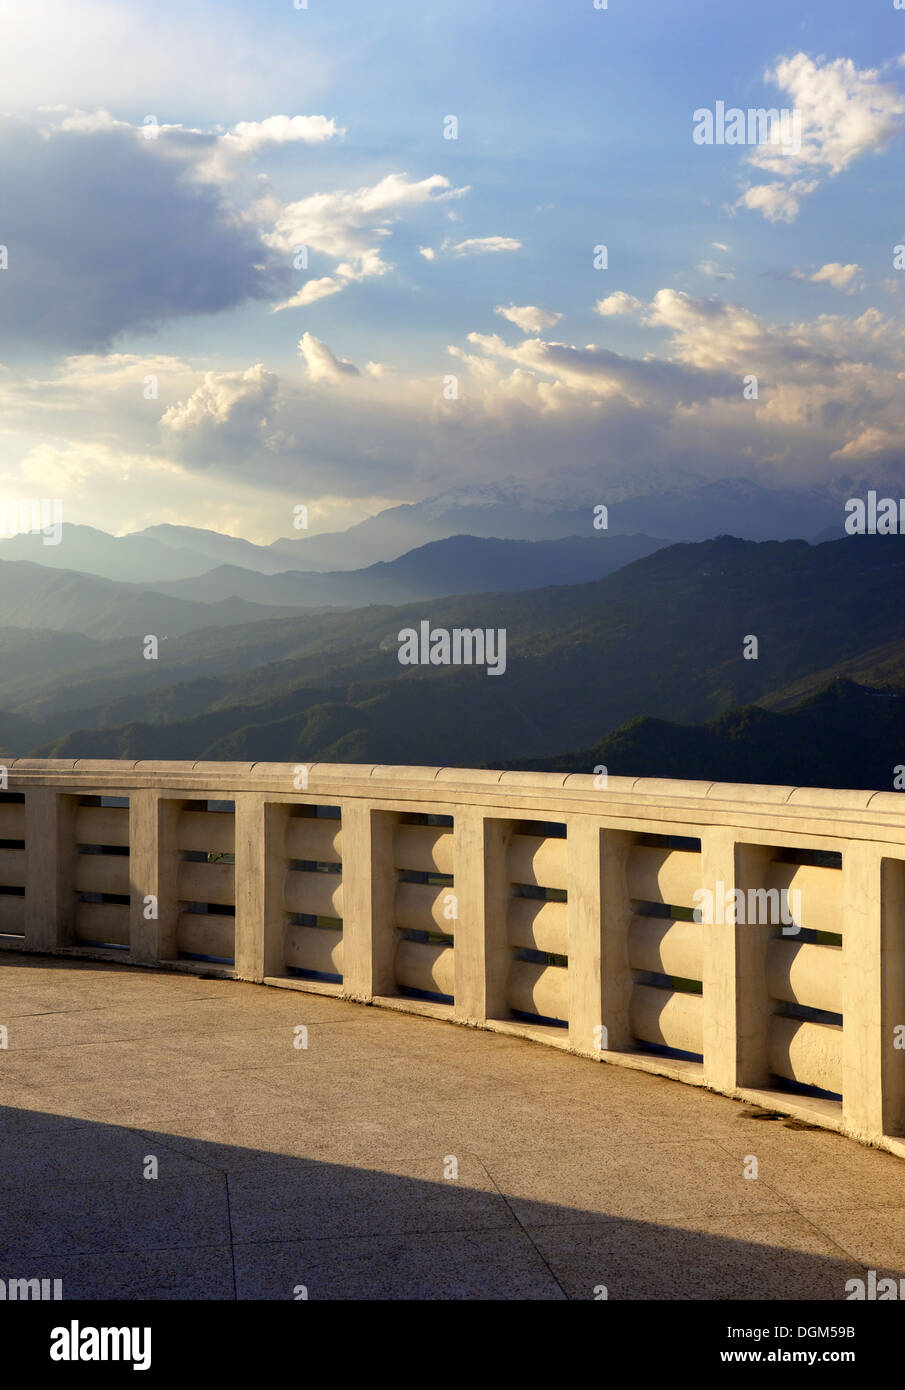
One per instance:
(107, 233)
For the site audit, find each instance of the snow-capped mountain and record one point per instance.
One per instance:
(665, 504)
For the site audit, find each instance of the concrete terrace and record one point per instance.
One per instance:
(324, 1167)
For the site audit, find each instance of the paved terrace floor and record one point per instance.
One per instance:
(325, 1167)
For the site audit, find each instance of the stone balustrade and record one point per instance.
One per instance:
(750, 939)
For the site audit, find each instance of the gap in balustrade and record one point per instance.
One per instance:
(648, 839)
(12, 866)
(816, 858)
(100, 872)
(537, 926)
(205, 843)
(892, 1022)
(666, 946)
(790, 911)
(425, 907)
(312, 930)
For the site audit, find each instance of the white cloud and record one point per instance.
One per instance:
(471, 246)
(777, 201)
(528, 317)
(88, 122)
(841, 277)
(478, 245)
(709, 333)
(591, 370)
(346, 226)
(844, 113)
(214, 156)
(311, 292)
(322, 364)
(714, 271)
(873, 442)
(234, 406)
(618, 303)
(226, 444)
(345, 223)
(248, 138)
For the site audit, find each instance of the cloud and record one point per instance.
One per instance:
(69, 118)
(347, 227)
(719, 246)
(479, 245)
(228, 408)
(322, 364)
(618, 303)
(471, 246)
(215, 156)
(145, 243)
(873, 442)
(528, 317)
(844, 113)
(829, 396)
(311, 292)
(181, 236)
(710, 333)
(344, 224)
(715, 272)
(841, 277)
(778, 202)
(248, 138)
(652, 382)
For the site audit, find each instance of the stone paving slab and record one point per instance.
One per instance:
(44, 1220)
(776, 1257)
(444, 1265)
(330, 1166)
(202, 1272)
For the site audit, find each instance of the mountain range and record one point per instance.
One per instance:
(37, 597)
(456, 565)
(664, 636)
(674, 507)
(843, 735)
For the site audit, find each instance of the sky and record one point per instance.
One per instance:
(246, 267)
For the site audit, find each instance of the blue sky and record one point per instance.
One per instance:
(132, 258)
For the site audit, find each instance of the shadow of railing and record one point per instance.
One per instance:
(221, 1221)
